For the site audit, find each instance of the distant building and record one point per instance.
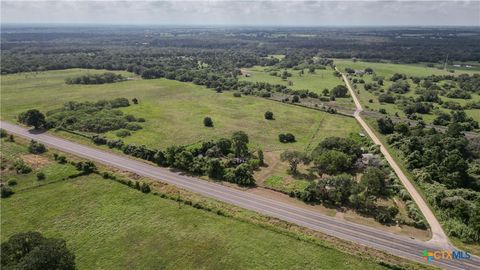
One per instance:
(359, 72)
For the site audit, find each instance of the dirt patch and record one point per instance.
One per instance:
(35, 161)
(128, 174)
(272, 160)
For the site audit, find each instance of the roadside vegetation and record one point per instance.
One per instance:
(445, 167)
(147, 215)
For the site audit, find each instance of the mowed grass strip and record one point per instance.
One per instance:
(174, 111)
(110, 226)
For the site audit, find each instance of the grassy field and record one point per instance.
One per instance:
(174, 110)
(387, 69)
(370, 100)
(111, 226)
(316, 82)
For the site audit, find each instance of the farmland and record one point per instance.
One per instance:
(370, 98)
(150, 232)
(174, 110)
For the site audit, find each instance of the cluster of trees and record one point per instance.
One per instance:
(460, 117)
(224, 159)
(107, 77)
(95, 117)
(336, 159)
(447, 166)
(31, 250)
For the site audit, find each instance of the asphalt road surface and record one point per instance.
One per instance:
(395, 244)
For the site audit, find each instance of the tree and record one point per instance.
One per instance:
(241, 175)
(31, 250)
(294, 158)
(207, 121)
(240, 144)
(135, 100)
(332, 162)
(385, 125)
(86, 167)
(339, 91)
(183, 160)
(215, 169)
(269, 115)
(325, 92)
(286, 138)
(373, 181)
(33, 118)
(260, 157)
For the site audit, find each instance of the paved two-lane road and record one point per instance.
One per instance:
(378, 239)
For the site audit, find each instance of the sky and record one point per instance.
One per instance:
(248, 13)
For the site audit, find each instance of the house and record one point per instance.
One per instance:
(359, 72)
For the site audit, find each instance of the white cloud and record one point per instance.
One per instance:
(243, 12)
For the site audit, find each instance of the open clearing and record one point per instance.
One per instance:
(111, 226)
(321, 79)
(174, 111)
(388, 69)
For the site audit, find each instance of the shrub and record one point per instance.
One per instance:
(5, 192)
(269, 115)
(145, 188)
(21, 167)
(286, 138)
(237, 94)
(62, 159)
(133, 126)
(295, 99)
(41, 176)
(86, 167)
(123, 133)
(12, 182)
(208, 122)
(3, 133)
(36, 147)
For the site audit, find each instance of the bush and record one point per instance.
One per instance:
(145, 188)
(3, 133)
(237, 94)
(5, 192)
(269, 115)
(12, 182)
(41, 176)
(36, 147)
(133, 126)
(21, 167)
(286, 138)
(62, 159)
(123, 133)
(208, 122)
